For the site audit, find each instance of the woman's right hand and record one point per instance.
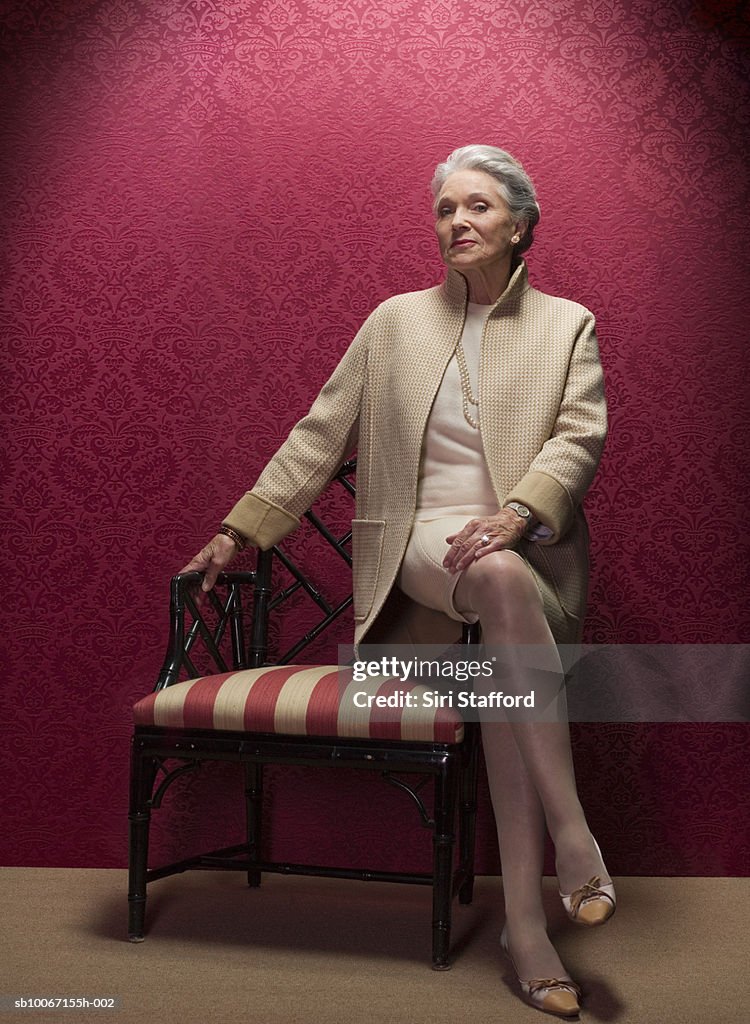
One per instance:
(212, 559)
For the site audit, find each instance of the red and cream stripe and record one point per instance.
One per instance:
(307, 700)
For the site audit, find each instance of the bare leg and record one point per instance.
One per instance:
(529, 764)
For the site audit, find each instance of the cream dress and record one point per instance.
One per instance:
(454, 483)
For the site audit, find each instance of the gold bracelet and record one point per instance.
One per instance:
(238, 539)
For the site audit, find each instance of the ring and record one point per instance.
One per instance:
(484, 540)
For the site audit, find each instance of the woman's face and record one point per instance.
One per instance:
(474, 225)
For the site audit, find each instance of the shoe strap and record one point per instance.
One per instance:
(590, 890)
(537, 984)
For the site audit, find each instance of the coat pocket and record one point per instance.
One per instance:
(367, 552)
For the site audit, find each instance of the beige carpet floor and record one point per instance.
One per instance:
(304, 951)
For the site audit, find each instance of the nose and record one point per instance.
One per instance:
(458, 220)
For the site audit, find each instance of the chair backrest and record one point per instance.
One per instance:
(235, 626)
(333, 539)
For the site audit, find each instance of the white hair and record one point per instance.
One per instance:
(513, 183)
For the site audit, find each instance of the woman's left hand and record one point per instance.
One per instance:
(504, 530)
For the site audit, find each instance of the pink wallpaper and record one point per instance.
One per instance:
(202, 200)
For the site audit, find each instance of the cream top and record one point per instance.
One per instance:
(453, 475)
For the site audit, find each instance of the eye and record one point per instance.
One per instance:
(443, 211)
(480, 207)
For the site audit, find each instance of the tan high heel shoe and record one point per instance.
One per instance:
(592, 903)
(551, 995)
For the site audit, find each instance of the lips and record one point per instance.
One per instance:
(461, 242)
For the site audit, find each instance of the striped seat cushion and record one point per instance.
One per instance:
(304, 700)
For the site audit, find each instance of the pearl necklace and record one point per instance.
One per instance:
(467, 395)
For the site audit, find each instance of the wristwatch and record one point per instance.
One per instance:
(521, 510)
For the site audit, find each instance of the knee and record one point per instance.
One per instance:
(504, 581)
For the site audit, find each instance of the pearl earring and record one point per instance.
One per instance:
(516, 239)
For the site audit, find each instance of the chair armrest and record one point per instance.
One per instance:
(249, 647)
(225, 605)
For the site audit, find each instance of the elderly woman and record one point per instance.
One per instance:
(477, 409)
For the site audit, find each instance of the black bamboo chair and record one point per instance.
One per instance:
(220, 712)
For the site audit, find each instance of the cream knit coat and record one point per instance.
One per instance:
(542, 416)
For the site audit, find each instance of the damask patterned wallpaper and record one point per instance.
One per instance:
(202, 200)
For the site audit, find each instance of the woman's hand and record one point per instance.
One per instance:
(504, 530)
(212, 559)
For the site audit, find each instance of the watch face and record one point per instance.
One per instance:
(522, 510)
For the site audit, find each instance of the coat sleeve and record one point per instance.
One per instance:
(561, 473)
(312, 453)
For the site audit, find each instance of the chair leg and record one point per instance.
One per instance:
(443, 839)
(254, 816)
(142, 775)
(468, 813)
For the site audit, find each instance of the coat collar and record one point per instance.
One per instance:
(456, 288)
